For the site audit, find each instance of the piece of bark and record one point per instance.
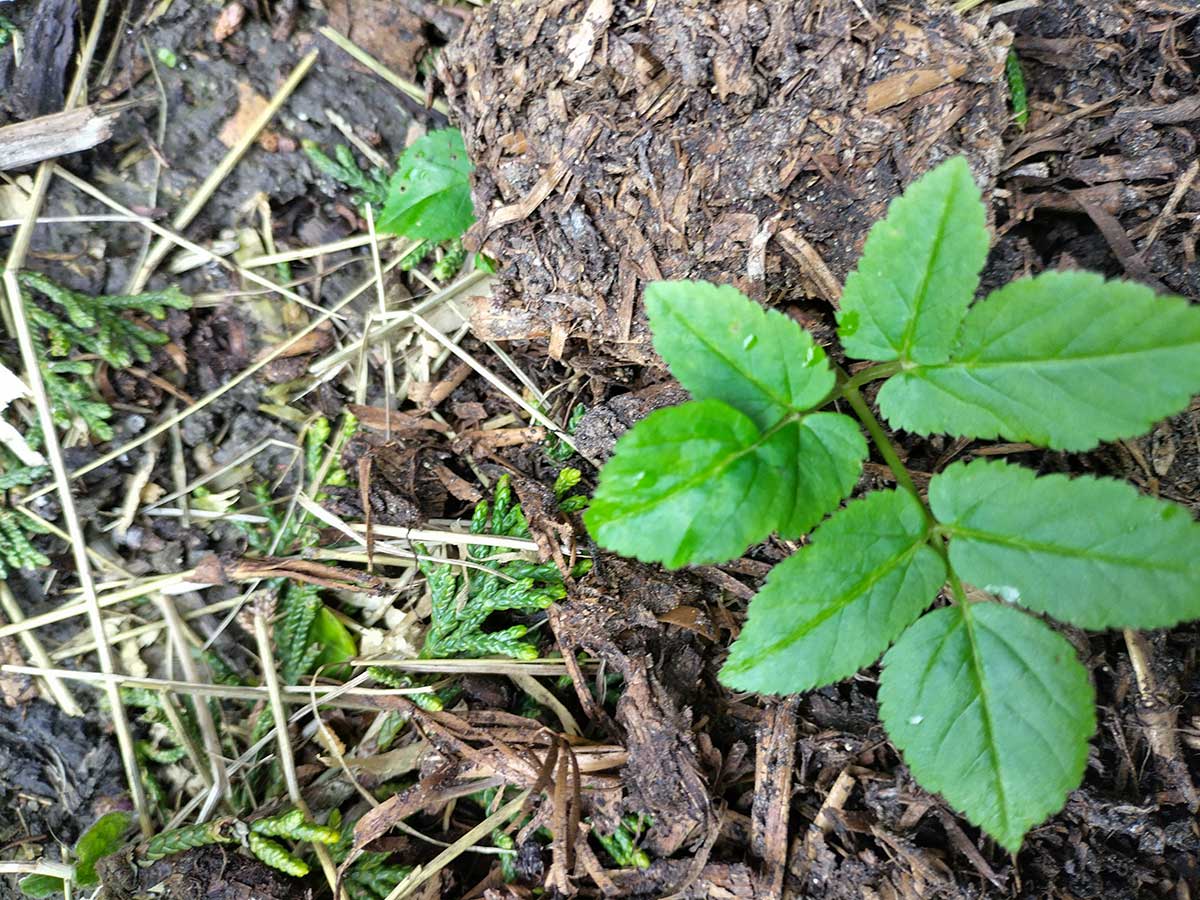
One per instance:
(55, 135)
(38, 85)
(774, 764)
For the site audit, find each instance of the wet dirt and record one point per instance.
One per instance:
(617, 145)
(57, 775)
(209, 873)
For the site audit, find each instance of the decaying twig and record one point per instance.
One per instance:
(58, 134)
(774, 764)
(1160, 718)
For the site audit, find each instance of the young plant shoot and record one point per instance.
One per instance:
(988, 704)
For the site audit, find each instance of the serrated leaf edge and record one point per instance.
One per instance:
(1031, 478)
(844, 599)
(930, 779)
(769, 315)
(1005, 429)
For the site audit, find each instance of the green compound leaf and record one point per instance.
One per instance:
(1089, 551)
(723, 346)
(835, 605)
(817, 461)
(1064, 360)
(918, 272)
(992, 710)
(685, 485)
(430, 194)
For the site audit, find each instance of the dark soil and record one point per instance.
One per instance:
(57, 775)
(209, 873)
(745, 141)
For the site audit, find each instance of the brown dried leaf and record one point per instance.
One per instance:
(902, 87)
(251, 105)
(398, 424)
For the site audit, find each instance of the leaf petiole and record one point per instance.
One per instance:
(859, 404)
(875, 373)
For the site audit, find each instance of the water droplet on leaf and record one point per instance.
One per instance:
(749, 341)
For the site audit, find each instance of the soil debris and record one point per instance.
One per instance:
(745, 141)
(614, 146)
(207, 873)
(38, 86)
(57, 774)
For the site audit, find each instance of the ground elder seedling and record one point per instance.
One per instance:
(429, 195)
(987, 702)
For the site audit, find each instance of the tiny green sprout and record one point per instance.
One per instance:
(508, 859)
(416, 255)
(167, 57)
(452, 259)
(371, 186)
(1017, 94)
(370, 876)
(7, 29)
(189, 837)
(16, 548)
(621, 844)
(307, 633)
(566, 480)
(987, 702)
(69, 321)
(456, 626)
(164, 756)
(429, 196)
(291, 824)
(428, 702)
(556, 448)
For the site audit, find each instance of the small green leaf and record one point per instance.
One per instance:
(685, 486)
(918, 272)
(1064, 360)
(100, 840)
(1017, 94)
(1089, 551)
(430, 194)
(835, 605)
(721, 345)
(817, 461)
(992, 710)
(699, 483)
(337, 644)
(42, 886)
